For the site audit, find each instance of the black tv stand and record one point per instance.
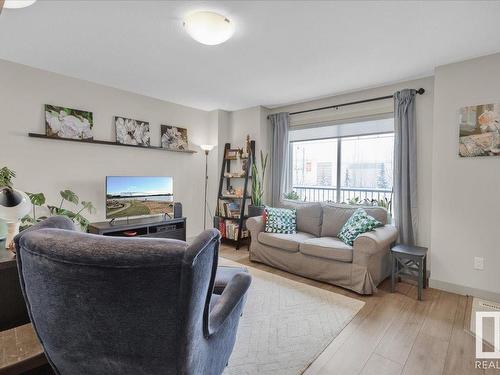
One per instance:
(158, 226)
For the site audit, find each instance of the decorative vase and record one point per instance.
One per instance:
(255, 210)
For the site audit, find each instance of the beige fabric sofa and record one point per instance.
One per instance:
(316, 252)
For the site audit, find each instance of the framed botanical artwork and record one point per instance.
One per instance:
(132, 132)
(63, 122)
(479, 133)
(174, 138)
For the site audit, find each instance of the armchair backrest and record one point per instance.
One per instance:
(109, 305)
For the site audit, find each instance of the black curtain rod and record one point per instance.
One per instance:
(420, 91)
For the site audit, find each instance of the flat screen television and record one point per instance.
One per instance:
(137, 196)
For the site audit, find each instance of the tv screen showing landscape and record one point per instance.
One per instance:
(137, 196)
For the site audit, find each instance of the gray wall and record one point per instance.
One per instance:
(466, 207)
(50, 166)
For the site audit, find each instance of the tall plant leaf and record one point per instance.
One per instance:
(38, 199)
(69, 196)
(88, 206)
(258, 180)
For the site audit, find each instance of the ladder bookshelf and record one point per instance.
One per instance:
(221, 218)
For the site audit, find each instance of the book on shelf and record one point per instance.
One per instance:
(229, 209)
(229, 228)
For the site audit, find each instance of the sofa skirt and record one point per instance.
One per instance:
(345, 274)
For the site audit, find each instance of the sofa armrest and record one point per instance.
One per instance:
(255, 225)
(373, 242)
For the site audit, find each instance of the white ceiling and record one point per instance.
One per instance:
(282, 51)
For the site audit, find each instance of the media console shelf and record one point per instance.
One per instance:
(157, 227)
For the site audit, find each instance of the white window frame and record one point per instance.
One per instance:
(338, 187)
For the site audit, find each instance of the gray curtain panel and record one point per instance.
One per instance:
(279, 159)
(405, 165)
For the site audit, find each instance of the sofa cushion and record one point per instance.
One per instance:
(288, 242)
(328, 248)
(309, 216)
(280, 220)
(360, 222)
(336, 215)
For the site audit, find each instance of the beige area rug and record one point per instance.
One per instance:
(286, 324)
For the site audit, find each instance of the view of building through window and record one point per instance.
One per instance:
(365, 164)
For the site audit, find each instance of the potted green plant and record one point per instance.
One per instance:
(291, 196)
(76, 215)
(257, 206)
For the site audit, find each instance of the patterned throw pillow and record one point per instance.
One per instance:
(359, 222)
(281, 220)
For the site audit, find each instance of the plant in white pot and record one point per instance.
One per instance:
(257, 206)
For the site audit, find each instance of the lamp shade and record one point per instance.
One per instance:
(14, 205)
(207, 147)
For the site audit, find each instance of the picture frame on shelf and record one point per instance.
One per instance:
(132, 132)
(174, 137)
(68, 123)
(231, 154)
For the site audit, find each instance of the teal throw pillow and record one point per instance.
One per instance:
(359, 222)
(281, 220)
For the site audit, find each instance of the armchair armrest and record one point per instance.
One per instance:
(255, 225)
(373, 242)
(231, 297)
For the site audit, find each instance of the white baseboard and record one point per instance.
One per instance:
(464, 290)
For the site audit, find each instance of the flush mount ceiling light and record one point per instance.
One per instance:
(208, 28)
(16, 4)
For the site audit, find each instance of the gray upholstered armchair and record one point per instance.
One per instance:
(103, 305)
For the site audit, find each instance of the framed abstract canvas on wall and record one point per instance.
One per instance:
(479, 133)
(132, 132)
(63, 122)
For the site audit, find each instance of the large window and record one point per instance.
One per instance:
(347, 168)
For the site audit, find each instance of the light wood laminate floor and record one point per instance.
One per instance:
(394, 333)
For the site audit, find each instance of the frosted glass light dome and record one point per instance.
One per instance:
(208, 27)
(17, 4)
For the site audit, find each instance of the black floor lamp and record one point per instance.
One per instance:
(207, 149)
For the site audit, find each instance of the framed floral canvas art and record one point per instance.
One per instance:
(132, 132)
(479, 133)
(174, 138)
(63, 122)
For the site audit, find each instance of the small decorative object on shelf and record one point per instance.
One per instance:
(62, 122)
(231, 215)
(231, 154)
(234, 174)
(246, 150)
